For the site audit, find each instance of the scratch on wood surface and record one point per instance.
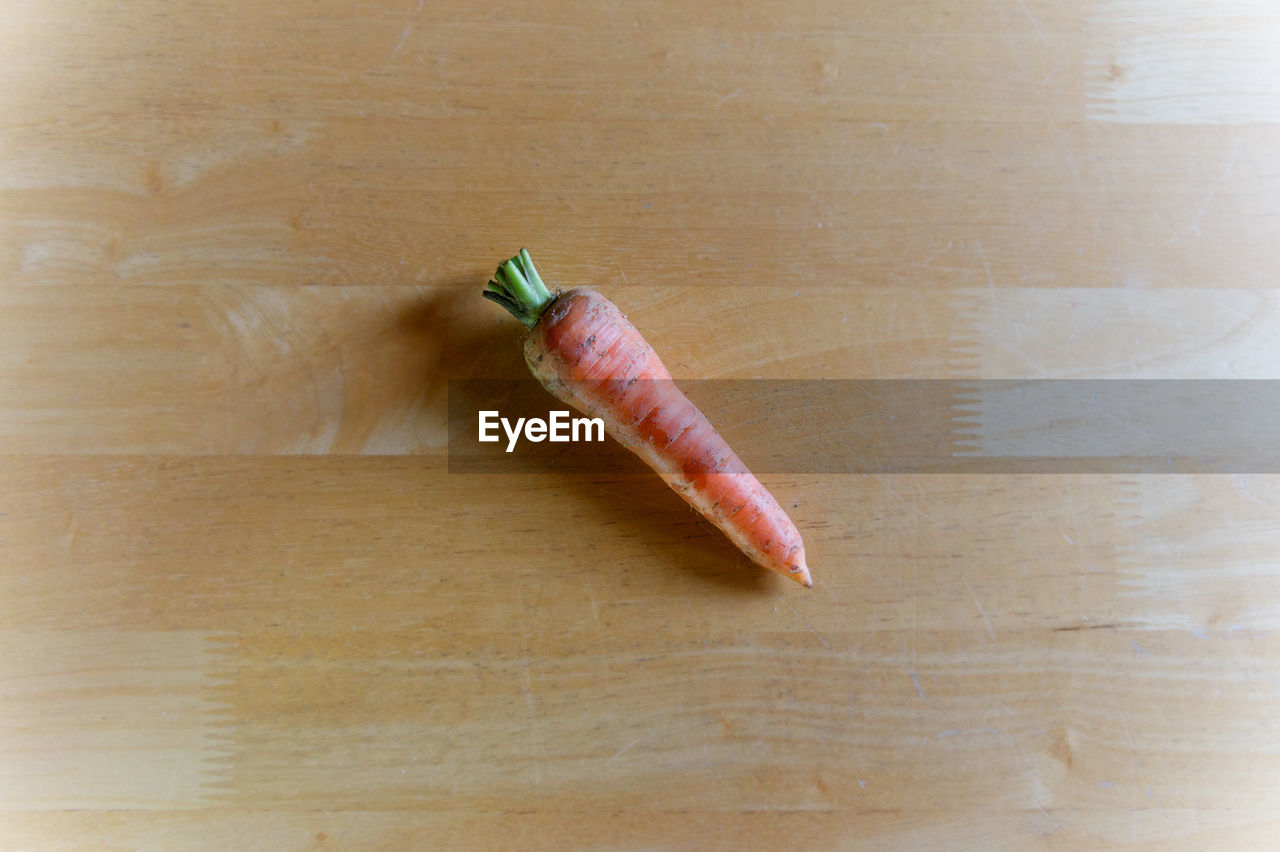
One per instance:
(1026, 771)
(912, 506)
(804, 620)
(721, 100)
(981, 611)
(619, 752)
(1228, 168)
(404, 34)
(1032, 18)
(916, 681)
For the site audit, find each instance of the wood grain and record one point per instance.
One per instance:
(245, 604)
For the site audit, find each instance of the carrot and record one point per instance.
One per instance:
(584, 351)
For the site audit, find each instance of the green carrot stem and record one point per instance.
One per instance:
(518, 287)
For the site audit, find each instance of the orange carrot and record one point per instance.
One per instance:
(585, 352)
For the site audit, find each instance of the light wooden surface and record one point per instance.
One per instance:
(243, 604)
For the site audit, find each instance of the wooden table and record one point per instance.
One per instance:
(245, 605)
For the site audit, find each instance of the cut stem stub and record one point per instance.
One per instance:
(518, 288)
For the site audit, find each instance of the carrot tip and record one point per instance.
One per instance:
(800, 574)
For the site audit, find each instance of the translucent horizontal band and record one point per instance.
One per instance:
(918, 426)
